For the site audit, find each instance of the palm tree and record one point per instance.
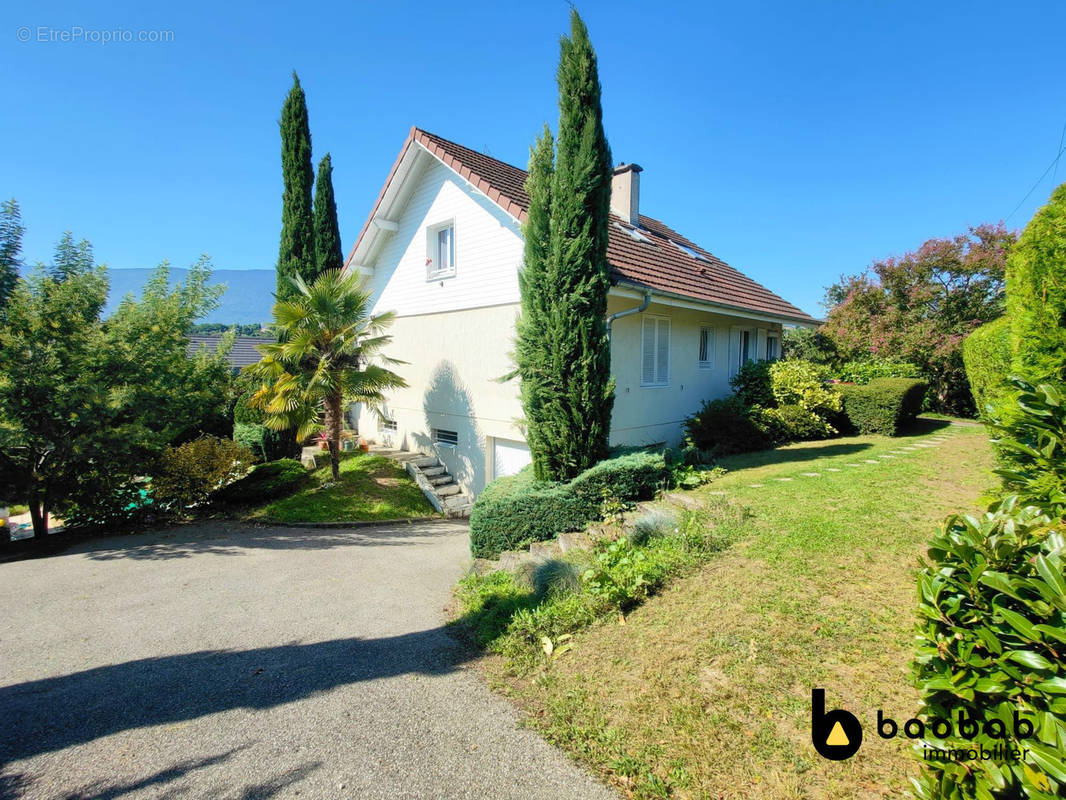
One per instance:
(328, 351)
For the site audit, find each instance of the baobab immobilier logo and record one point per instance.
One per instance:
(837, 734)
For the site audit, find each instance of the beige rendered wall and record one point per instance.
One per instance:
(453, 360)
(652, 414)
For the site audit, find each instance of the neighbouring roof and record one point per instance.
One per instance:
(243, 353)
(654, 259)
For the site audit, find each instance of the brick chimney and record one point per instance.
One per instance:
(625, 192)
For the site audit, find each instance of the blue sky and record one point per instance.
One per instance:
(798, 141)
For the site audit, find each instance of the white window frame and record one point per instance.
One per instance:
(708, 362)
(655, 322)
(389, 426)
(432, 235)
(774, 337)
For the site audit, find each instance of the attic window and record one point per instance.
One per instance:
(440, 251)
(684, 248)
(634, 233)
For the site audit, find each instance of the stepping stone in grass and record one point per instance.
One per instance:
(831, 469)
(871, 461)
(782, 479)
(853, 465)
(909, 449)
(756, 485)
(886, 455)
(811, 474)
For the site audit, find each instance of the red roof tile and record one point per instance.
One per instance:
(657, 264)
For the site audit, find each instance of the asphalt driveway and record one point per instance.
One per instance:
(232, 661)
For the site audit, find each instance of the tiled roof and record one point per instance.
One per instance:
(651, 260)
(243, 353)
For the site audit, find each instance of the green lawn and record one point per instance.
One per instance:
(371, 487)
(704, 692)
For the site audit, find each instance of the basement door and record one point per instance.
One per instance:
(508, 457)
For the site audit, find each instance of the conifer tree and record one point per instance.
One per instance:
(297, 253)
(11, 231)
(1036, 294)
(562, 348)
(328, 253)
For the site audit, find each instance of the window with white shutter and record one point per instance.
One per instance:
(655, 352)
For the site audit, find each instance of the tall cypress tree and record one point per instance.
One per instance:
(328, 253)
(562, 347)
(297, 253)
(533, 352)
(11, 231)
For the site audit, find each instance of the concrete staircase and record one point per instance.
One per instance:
(433, 479)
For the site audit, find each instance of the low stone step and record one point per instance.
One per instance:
(509, 559)
(424, 461)
(441, 480)
(431, 472)
(483, 566)
(681, 500)
(577, 540)
(544, 550)
(446, 490)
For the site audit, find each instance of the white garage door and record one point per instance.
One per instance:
(508, 457)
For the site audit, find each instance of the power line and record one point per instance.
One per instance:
(1062, 136)
(1039, 180)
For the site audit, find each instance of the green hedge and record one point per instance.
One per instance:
(724, 427)
(265, 482)
(634, 476)
(884, 405)
(992, 613)
(986, 354)
(512, 512)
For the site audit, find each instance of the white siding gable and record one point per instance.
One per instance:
(488, 250)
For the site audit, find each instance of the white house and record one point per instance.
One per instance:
(442, 249)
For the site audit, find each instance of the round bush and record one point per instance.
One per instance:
(724, 426)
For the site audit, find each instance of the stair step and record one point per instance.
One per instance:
(424, 461)
(441, 480)
(544, 550)
(509, 559)
(448, 489)
(578, 540)
(431, 472)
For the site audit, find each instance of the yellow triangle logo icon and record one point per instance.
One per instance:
(837, 737)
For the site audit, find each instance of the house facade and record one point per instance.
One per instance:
(442, 249)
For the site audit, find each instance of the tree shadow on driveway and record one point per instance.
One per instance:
(54, 713)
(226, 538)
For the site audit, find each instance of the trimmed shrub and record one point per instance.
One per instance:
(634, 476)
(1036, 294)
(265, 482)
(986, 354)
(724, 426)
(792, 423)
(516, 510)
(884, 405)
(802, 383)
(992, 611)
(862, 372)
(752, 385)
(188, 473)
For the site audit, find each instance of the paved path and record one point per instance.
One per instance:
(229, 661)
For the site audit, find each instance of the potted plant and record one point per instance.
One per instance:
(323, 440)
